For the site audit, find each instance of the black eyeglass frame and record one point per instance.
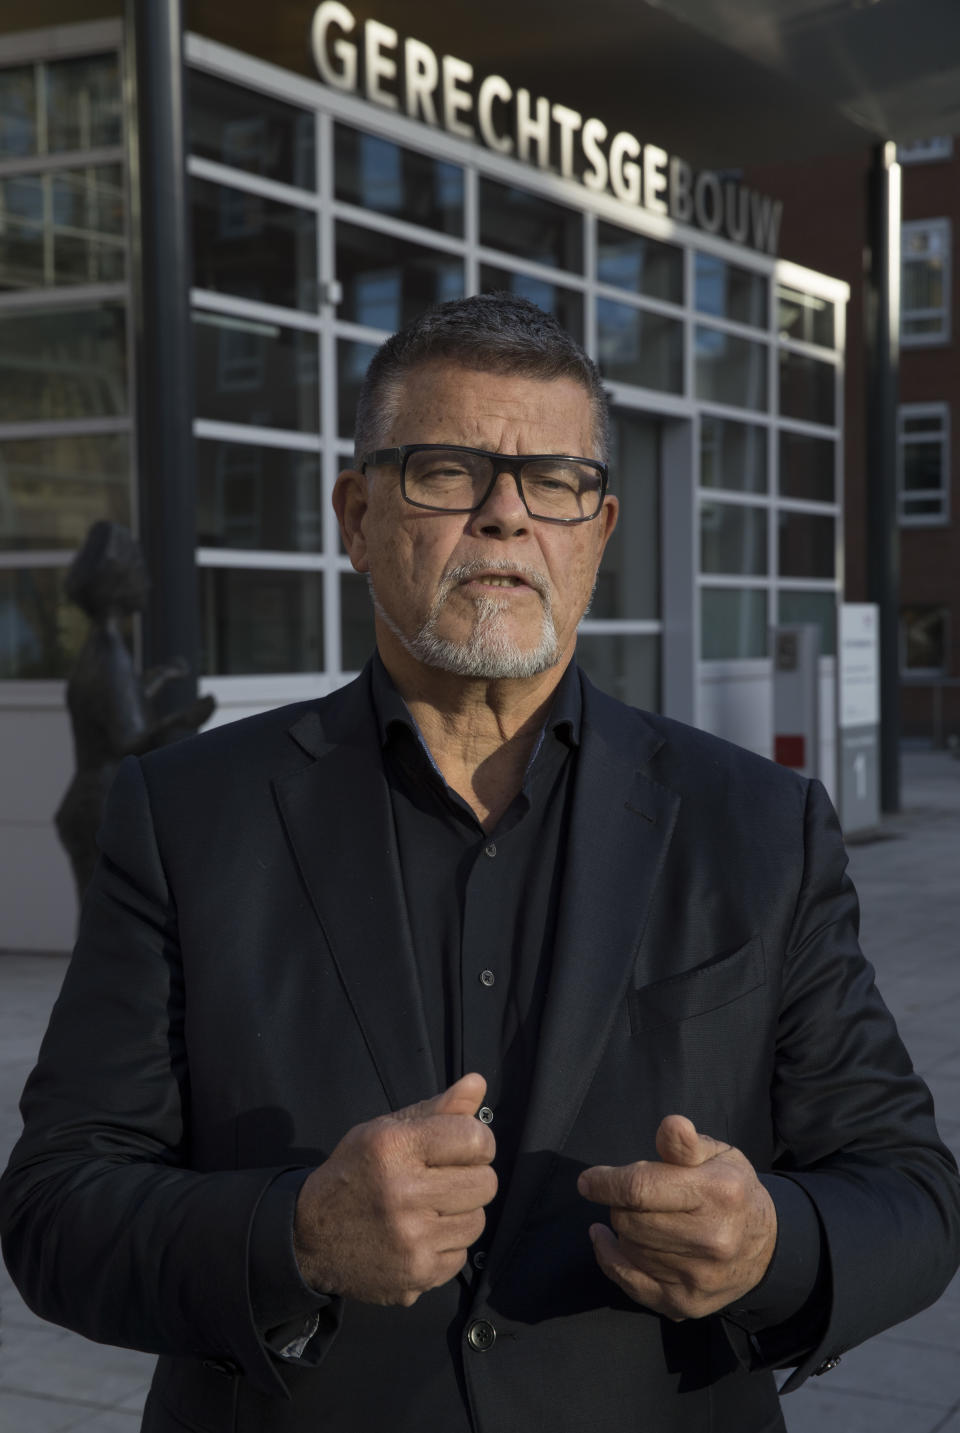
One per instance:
(502, 462)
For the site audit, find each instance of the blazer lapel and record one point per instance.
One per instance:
(339, 821)
(622, 822)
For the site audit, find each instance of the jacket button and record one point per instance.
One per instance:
(481, 1335)
(479, 1259)
(485, 1115)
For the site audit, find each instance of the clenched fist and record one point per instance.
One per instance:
(397, 1205)
(696, 1231)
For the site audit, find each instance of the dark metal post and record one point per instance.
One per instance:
(882, 315)
(160, 253)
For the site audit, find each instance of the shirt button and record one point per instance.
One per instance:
(485, 1114)
(479, 1259)
(490, 850)
(481, 1335)
(487, 977)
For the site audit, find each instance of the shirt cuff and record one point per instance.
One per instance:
(796, 1271)
(286, 1311)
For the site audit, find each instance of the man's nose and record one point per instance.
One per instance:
(503, 514)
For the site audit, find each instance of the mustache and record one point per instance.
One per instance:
(466, 571)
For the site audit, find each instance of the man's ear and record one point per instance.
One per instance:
(350, 506)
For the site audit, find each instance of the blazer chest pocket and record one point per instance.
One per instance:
(707, 987)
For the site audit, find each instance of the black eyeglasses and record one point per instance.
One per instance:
(446, 478)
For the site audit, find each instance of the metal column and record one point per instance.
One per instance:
(160, 256)
(882, 316)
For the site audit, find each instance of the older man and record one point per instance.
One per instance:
(467, 1050)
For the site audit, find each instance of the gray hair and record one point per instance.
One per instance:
(497, 333)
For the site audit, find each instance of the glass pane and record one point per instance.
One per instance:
(254, 497)
(248, 130)
(808, 388)
(251, 372)
(258, 620)
(84, 109)
(807, 467)
(820, 608)
(18, 112)
(254, 247)
(377, 174)
(921, 422)
(353, 360)
(522, 223)
(41, 633)
(936, 325)
(733, 539)
(627, 666)
(732, 455)
(63, 363)
(52, 489)
(638, 347)
(807, 544)
(388, 282)
(642, 265)
(923, 466)
(730, 370)
(62, 228)
(923, 284)
(733, 623)
(628, 584)
(729, 291)
(924, 507)
(804, 316)
(925, 638)
(357, 637)
(565, 305)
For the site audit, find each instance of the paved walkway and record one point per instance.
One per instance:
(906, 1381)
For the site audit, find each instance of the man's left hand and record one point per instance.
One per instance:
(696, 1231)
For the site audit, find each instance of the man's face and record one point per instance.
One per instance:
(493, 593)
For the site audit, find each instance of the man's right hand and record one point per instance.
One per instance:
(397, 1205)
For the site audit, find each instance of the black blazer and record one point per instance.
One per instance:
(244, 990)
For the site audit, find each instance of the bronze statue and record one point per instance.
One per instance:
(110, 704)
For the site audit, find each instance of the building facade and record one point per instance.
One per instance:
(322, 220)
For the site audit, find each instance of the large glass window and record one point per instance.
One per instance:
(41, 633)
(807, 544)
(644, 266)
(253, 372)
(628, 584)
(732, 455)
(260, 620)
(253, 247)
(820, 608)
(53, 488)
(62, 227)
(18, 112)
(733, 623)
(729, 370)
(388, 282)
(522, 223)
(925, 282)
(923, 458)
(60, 106)
(627, 665)
(807, 467)
(566, 305)
(729, 291)
(377, 174)
(733, 539)
(63, 363)
(805, 317)
(247, 129)
(808, 388)
(634, 346)
(353, 360)
(250, 496)
(924, 647)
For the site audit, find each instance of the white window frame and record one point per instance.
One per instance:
(942, 334)
(926, 151)
(942, 438)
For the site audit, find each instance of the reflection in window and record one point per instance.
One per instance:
(925, 281)
(254, 247)
(62, 227)
(41, 633)
(18, 112)
(807, 467)
(732, 455)
(83, 103)
(634, 346)
(249, 130)
(250, 496)
(522, 223)
(63, 363)
(923, 639)
(805, 317)
(819, 608)
(253, 372)
(733, 539)
(807, 544)
(628, 584)
(733, 623)
(729, 291)
(259, 620)
(729, 370)
(808, 388)
(388, 282)
(52, 489)
(642, 265)
(353, 360)
(923, 453)
(627, 666)
(566, 305)
(377, 174)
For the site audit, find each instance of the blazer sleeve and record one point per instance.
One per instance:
(106, 1229)
(853, 1122)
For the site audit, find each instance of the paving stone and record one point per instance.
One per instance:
(820, 1410)
(890, 1368)
(115, 1421)
(20, 1414)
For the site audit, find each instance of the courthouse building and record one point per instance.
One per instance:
(328, 204)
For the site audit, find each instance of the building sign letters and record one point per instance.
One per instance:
(444, 92)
